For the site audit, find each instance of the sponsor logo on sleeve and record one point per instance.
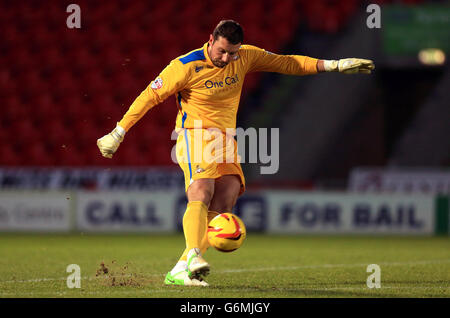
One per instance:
(157, 83)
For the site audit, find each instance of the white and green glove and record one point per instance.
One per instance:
(349, 66)
(109, 143)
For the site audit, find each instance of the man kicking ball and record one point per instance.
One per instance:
(207, 83)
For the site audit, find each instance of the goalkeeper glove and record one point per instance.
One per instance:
(109, 143)
(349, 66)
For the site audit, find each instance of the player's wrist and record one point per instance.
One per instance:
(120, 130)
(331, 65)
(118, 133)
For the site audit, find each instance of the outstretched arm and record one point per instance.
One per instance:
(260, 60)
(346, 66)
(172, 79)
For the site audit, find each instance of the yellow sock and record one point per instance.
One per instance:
(204, 244)
(194, 225)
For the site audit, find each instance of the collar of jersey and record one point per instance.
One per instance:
(205, 52)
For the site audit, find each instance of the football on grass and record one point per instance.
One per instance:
(226, 232)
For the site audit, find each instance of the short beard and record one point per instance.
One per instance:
(219, 64)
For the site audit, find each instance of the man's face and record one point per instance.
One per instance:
(221, 51)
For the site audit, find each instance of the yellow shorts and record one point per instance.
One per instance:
(207, 153)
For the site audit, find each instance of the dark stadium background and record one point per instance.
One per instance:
(62, 88)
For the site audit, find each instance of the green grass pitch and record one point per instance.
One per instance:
(33, 265)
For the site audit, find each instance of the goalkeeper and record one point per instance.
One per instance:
(207, 83)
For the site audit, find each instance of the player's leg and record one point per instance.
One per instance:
(226, 191)
(199, 190)
(191, 264)
(195, 224)
(204, 245)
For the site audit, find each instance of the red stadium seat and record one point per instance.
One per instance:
(57, 134)
(64, 82)
(34, 82)
(81, 59)
(47, 110)
(95, 82)
(11, 35)
(14, 110)
(8, 84)
(112, 57)
(21, 59)
(76, 109)
(347, 8)
(25, 133)
(37, 154)
(140, 58)
(104, 10)
(53, 57)
(70, 156)
(251, 12)
(103, 34)
(9, 157)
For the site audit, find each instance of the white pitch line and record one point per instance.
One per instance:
(261, 269)
(331, 266)
(38, 280)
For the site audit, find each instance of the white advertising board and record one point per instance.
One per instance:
(303, 212)
(396, 180)
(35, 211)
(278, 212)
(126, 211)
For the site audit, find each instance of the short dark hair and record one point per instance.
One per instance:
(230, 30)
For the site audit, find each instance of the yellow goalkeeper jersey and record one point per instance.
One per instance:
(208, 93)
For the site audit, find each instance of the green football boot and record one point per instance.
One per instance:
(182, 279)
(196, 265)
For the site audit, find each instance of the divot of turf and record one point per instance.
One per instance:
(114, 274)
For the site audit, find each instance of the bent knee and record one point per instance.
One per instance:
(201, 190)
(225, 197)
